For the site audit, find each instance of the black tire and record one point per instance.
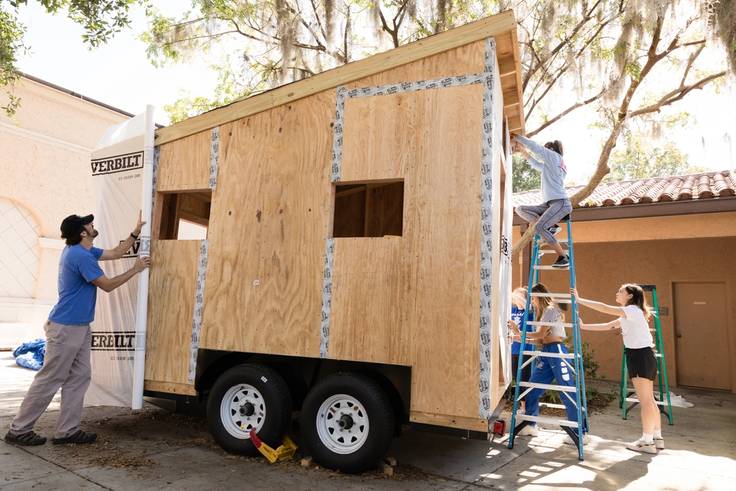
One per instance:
(276, 401)
(380, 426)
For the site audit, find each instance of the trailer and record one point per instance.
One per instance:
(354, 259)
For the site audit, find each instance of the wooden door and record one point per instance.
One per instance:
(703, 357)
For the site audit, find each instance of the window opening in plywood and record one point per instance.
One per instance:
(369, 209)
(185, 215)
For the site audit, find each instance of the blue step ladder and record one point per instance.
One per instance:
(575, 393)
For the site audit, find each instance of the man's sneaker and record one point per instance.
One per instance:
(562, 262)
(529, 430)
(642, 446)
(659, 443)
(27, 439)
(568, 441)
(78, 436)
(554, 229)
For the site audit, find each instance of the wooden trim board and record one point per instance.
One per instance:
(170, 387)
(472, 424)
(496, 25)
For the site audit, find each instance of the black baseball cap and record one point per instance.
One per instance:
(73, 225)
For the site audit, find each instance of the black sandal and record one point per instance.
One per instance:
(28, 439)
(78, 436)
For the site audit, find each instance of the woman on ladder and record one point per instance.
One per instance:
(551, 334)
(544, 217)
(633, 315)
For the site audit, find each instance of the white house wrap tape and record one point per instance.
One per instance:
(439, 83)
(337, 133)
(156, 157)
(202, 265)
(390, 89)
(145, 240)
(198, 304)
(214, 156)
(486, 244)
(324, 332)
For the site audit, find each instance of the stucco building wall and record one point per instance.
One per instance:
(664, 251)
(45, 177)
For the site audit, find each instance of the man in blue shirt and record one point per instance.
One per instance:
(68, 335)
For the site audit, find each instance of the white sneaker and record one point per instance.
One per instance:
(642, 446)
(659, 443)
(568, 441)
(529, 430)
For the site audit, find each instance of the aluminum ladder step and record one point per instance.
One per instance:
(556, 297)
(569, 356)
(634, 399)
(547, 420)
(559, 388)
(552, 268)
(551, 405)
(542, 252)
(540, 323)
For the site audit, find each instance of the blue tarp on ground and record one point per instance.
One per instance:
(30, 354)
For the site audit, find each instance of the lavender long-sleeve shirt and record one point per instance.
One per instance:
(552, 167)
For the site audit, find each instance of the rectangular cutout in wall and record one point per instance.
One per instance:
(369, 209)
(185, 215)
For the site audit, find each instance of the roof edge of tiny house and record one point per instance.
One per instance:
(492, 26)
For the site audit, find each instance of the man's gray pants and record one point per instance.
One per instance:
(546, 216)
(65, 365)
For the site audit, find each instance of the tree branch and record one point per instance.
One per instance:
(345, 36)
(586, 17)
(676, 95)
(195, 38)
(567, 111)
(564, 68)
(319, 22)
(618, 124)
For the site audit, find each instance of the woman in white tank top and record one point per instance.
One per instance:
(633, 314)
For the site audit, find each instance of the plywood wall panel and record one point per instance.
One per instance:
(170, 308)
(269, 220)
(185, 165)
(371, 300)
(419, 290)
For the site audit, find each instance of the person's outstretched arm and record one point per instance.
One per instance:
(538, 152)
(599, 306)
(605, 326)
(125, 244)
(109, 284)
(531, 336)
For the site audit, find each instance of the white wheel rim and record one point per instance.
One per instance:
(342, 424)
(242, 409)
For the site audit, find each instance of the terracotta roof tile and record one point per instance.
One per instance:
(706, 185)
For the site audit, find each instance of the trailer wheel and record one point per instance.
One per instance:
(248, 397)
(347, 422)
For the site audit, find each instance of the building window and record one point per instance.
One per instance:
(369, 209)
(185, 216)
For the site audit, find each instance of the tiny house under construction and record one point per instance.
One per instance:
(356, 265)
